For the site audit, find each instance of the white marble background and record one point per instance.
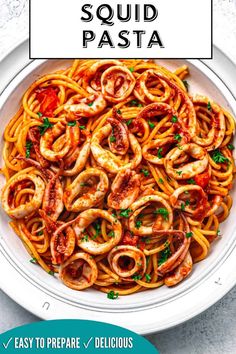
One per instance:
(214, 331)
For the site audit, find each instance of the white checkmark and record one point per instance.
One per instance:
(87, 344)
(7, 344)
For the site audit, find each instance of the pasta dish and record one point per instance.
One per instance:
(116, 177)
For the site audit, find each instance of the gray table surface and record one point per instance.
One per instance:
(214, 331)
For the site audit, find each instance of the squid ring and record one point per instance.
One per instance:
(117, 83)
(134, 257)
(106, 159)
(191, 169)
(216, 134)
(91, 246)
(90, 196)
(156, 144)
(47, 140)
(79, 271)
(160, 222)
(142, 92)
(124, 189)
(25, 209)
(87, 107)
(202, 207)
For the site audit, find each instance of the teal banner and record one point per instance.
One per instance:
(73, 336)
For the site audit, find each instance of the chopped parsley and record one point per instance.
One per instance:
(46, 124)
(148, 278)
(33, 260)
(218, 157)
(84, 238)
(84, 184)
(112, 139)
(51, 272)
(138, 224)
(164, 255)
(72, 123)
(112, 295)
(161, 180)
(118, 111)
(97, 227)
(28, 146)
(40, 233)
(82, 127)
(209, 106)
(125, 213)
(159, 151)
(162, 211)
(187, 202)
(134, 103)
(182, 206)
(179, 172)
(191, 181)
(111, 234)
(128, 122)
(90, 104)
(145, 172)
(189, 234)
(151, 125)
(230, 146)
(178, 137)
(174, 119)
(131, 70)
(218, 232)
(186, 84)
(39, 114)
(137, 277)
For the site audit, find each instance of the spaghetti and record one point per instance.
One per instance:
(117, 178)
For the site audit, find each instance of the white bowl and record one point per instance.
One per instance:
(91, 303)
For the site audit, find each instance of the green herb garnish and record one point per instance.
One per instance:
(72, 123)
(209, 106)
(28, 146)
(84, 238)
(112, 295)
(82, 127)
(174, 119)
(39, 114)
(128, 122)
(189, 234)
(118, 111)
(33, 260)
(186, 84)
(151, 125)
(230, 146)
(90, 104)
(159, 151)
(161, 180)
(137, 277)
(131, 70)
(162, 211)
(125, 213)
(112, 139)
(111, 234)
(218, 157)
(138, 224)
(164, 255)
(148, 278)
(51, 272)
(84, 184)
(145, 172)
(178, 137)
(46, 124)
(191, 181)
(179, 172)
